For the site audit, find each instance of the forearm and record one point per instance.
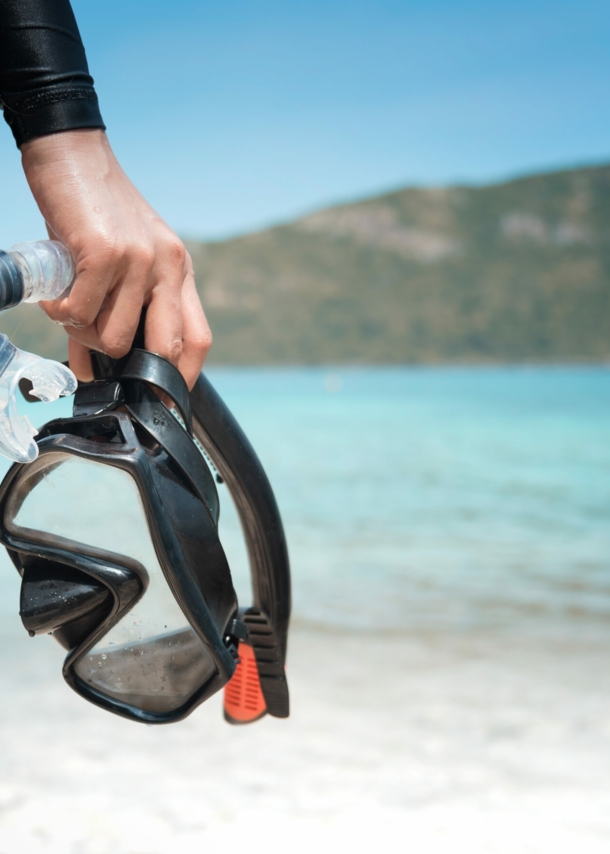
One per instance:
(45, 85)
(126, 257)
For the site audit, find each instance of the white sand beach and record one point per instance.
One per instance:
(426, 744)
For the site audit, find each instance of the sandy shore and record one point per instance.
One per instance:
(430, 744)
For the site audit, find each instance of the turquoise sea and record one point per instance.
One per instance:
(435, 498)
(429, 499)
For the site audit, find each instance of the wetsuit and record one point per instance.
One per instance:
(45, 86)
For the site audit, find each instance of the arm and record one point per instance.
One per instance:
(125, 255)
(45, 84)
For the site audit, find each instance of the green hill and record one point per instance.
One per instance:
(509, 272)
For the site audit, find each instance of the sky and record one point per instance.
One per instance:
(233, 115)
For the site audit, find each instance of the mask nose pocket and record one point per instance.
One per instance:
(55, 595)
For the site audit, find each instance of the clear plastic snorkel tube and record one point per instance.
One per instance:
(30, 272)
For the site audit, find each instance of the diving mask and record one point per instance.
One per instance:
(146, 608)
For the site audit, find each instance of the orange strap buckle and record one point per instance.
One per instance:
(243, 697)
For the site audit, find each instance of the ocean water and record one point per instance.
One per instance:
(421, 499)
(427, 499)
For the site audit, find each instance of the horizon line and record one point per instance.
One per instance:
(499, 181)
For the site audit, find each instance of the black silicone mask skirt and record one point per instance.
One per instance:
(142, 599)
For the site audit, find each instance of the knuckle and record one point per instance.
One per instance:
(79, 317)
(176, 251)
(114, 347)
(111, 251)
(143, 255)
(202, 342)
(173, 350)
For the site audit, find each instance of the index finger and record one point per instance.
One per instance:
(94, 278)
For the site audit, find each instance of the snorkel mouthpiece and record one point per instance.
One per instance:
(50, 380)
(30, 272)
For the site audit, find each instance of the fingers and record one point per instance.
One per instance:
(87, 337)
(80, 361)
(94, 278)
(196, 334)
(163, 326)
(193, 326)
(118, 320)
(164, 315)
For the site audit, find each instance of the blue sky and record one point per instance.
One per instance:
(233, 115)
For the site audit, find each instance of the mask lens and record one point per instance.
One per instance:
(156, 674)
(152, 658)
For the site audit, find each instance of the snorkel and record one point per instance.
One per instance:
(151, 631)
(268, 618)
(30, 272)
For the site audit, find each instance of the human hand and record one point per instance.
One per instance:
(126, 257)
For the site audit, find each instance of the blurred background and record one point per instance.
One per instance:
(399, 215)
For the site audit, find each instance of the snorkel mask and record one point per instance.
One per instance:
(151, 630)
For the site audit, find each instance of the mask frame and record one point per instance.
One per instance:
(121, 403)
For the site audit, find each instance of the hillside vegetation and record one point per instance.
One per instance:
(510, 272)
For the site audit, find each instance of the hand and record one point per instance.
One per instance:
(126, 257)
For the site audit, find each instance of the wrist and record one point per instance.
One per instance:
(64, 146)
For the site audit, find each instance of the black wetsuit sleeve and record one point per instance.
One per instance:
(45, 86)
